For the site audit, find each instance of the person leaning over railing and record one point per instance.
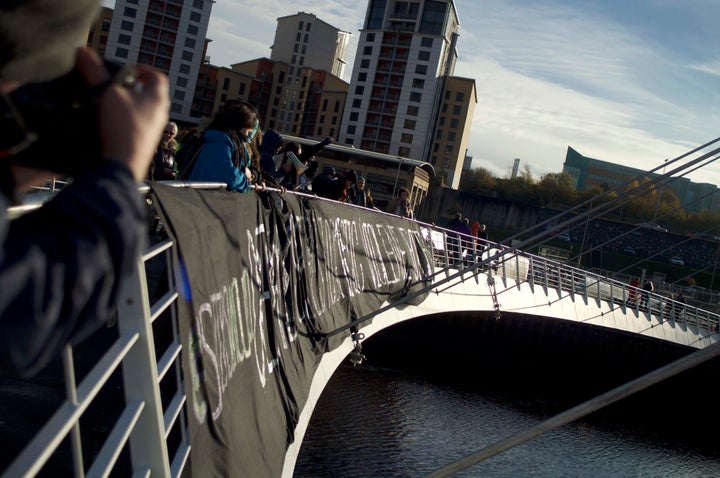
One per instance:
(61, 265)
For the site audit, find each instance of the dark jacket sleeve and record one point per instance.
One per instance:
(61, 265)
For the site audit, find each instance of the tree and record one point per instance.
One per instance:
(478, 181)
(557, 190)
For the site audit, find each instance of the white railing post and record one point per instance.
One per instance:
(148, 447)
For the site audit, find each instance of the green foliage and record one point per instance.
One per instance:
(557, 190)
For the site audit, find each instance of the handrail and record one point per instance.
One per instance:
(157, 434)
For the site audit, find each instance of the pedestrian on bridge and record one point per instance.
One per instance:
(648, 288)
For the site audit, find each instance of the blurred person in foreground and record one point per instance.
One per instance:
(61, 265)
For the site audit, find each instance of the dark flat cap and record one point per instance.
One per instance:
(38, 38)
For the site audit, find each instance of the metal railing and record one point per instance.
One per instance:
(453, 250)
(149, 436)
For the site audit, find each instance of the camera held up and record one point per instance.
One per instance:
(54, 125)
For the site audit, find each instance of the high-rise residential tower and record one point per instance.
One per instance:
(168, 35)
(304, 41)
(403, 99)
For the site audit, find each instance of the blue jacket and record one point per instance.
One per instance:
(215, 163)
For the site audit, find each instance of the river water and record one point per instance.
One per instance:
(383, 422)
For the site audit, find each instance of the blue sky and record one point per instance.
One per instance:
(632, 82)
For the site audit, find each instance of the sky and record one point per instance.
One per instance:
(630, 82)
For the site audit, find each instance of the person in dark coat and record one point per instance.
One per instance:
(61, 265)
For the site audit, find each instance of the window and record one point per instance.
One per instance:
(418, 83)
(124, 39)
(121, 53)
(198, 4)
(421, 69)
(370, 37)
(441, 122)
(179, 95)
(404, 151)
(362, 76)
(192, 29)
(294, 59)
(302, 60)
(296, 48)
(301, 25)
(447, 94)
(190, 43)
(278, 90)
(127, 26)
(412, 110)
(353, 116)
(415, 97)
(298, 36)
(226, 84)
(444, 108)
(333, 120)
(303, 49)
(337, 107)
(406, 138)
(449, 148)
(195, 17)
(356, 103)
(187, 55)
(322, 118)
(351, 129)
(454, 123)
(324, 105)
(281, 76)
(433, 17)
(307, 28)
(451, 136)
(377, 12)
(424, 55)
(459, 96)
(426, 42)
(365, 63)
(359, 90)
(438, 135)
(276, 101)
(409, 124)
(182, 82)
(305, 38)
(367, 50)
(130, 12)
(457, 109)
(185, 68)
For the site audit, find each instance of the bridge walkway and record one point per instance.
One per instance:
(150, 434)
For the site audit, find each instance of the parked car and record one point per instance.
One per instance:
(656, 227)
(677, 260)
(629, 251)
(565, 237)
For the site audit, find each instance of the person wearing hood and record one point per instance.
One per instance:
(269, 147)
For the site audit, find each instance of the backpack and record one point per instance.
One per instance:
(187, 154)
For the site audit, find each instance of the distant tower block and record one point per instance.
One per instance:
(516, 167)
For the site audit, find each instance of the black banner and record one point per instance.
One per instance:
(268, 283)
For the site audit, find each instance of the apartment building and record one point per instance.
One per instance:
(402, 73)
(169, 35)
(304, 41)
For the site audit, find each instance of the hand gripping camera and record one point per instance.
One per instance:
(54, 125)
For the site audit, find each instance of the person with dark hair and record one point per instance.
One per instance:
(61, 265)
(400, 205)
(326, 184)
(226, 156)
